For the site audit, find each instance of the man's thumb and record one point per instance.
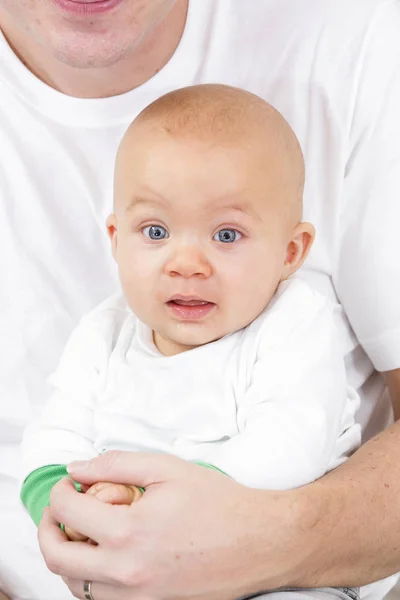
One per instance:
(131, 468)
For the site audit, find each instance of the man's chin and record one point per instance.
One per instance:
(86, 51)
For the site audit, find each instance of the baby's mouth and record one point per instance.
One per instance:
(189, 308)
(189, 302)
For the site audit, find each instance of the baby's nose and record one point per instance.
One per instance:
(188, 262)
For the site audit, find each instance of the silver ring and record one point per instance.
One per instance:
(87, 590)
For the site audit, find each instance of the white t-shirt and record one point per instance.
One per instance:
(332, 67)
(269, 404)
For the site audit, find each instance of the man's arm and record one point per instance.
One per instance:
(392, 379)
(357, 515)
(342, 530)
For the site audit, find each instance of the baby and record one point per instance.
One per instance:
(215, 352)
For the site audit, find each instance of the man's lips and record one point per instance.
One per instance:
(87, 7)
(190, 308)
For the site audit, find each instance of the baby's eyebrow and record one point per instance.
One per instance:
(143, 201)
(245, 209)
(237, 208)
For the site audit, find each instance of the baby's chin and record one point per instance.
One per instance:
(170, 343)
(188, 336)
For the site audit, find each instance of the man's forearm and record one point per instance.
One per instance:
(342, 530)
(392, 379)
(355, 527)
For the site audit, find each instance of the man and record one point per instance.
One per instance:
(73, 74)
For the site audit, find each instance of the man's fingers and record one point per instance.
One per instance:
(100, 591)
(69, 559)
(73, 509)
(131, 468)
(109, 493)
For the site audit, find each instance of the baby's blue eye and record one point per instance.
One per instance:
(155, 232)
(227, 236)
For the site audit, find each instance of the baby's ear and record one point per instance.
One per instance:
(298, 248)
(111, 225)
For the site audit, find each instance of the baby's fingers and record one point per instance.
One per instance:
(109, 493)
(113, 493)
(74, 536)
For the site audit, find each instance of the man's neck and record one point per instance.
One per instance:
(149, 57)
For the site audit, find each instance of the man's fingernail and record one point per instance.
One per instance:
(78, 465)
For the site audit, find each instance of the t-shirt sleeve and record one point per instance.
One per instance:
(367, 274)
(296, 420)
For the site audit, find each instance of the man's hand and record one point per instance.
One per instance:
(110, 493)
(3, 596)
(198, 535)
(195, 533)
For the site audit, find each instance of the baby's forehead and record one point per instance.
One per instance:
(217, 118)
(214, 120)
(220, 115)
(202, 210)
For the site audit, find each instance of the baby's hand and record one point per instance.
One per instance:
(109, 493)
(115, 493)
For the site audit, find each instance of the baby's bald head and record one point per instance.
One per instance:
(208, 202)
(226, 116)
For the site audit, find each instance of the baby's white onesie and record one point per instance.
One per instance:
(269, 405)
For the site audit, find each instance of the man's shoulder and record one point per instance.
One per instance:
(308, 13)
(282, 28)
(275, 48)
